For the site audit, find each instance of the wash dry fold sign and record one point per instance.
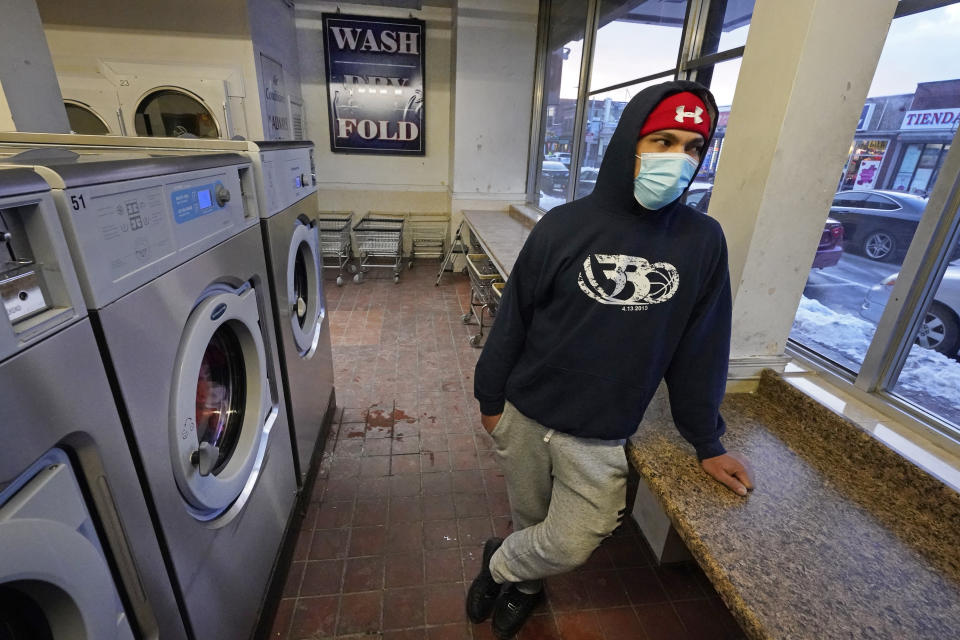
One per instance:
(375, 84)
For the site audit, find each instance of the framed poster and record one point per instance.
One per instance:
(375, 74)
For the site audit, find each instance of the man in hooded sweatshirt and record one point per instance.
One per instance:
(611, 294)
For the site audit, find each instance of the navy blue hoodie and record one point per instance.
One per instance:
(606, 299)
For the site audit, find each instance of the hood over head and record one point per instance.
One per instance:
(614, 187)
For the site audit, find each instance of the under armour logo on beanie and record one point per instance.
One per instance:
(679, 111)
(682, 115)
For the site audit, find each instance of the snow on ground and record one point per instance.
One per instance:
(927, 374)
(549, 202)
(839, 333)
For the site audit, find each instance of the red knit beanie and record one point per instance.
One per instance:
(679, 111)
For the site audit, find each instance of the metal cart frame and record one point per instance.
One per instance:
(428, 236)
(379, 239)
(482, 293)
(335, 243)
(458, 246)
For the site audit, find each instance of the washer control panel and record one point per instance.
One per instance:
(287, 176)
(125, 234)
(194, 202)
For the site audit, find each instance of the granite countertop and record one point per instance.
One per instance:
(842, 538)
(501, 235)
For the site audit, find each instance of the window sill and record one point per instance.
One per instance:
(932, 451)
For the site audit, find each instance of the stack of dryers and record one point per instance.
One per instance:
(286, 188)
(78, 554)
(170, 260)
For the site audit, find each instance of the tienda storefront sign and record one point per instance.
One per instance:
(931, 119)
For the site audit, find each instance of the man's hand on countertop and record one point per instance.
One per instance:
(730, 469)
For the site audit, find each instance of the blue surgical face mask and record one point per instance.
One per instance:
(662, 178)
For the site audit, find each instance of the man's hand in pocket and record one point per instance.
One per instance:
(490, 422)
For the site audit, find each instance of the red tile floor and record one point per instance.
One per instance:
(408, 491)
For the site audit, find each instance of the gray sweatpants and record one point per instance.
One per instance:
(566, 495)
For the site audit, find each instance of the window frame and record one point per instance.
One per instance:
(919, 279)
(689, 64)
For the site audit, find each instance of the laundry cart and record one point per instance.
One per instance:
(428, 235)
(335, 245)
(483, 277)
(379, 245)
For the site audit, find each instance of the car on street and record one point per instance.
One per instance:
(829, 249)
(587, 180)
(553, 177)
(878, 224)
(941, 324)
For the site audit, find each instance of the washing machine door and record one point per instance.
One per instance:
(54, 578)
(221, 414)
(305, 287)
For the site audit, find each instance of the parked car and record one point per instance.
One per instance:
(563, 157)
(941, 325)
(587, 180)
(829, 250)
(554, 177)
(878, 224)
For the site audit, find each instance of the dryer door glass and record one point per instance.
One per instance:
(174, 113)
(84, 121)
(221, 395)
(21, 618)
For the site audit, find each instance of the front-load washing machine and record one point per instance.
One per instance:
(79, 557)
(170, 261)
(286, 192)
(286, 188)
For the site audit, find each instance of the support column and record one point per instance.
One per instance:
(806, 71)
(494, 61)
(30, 99)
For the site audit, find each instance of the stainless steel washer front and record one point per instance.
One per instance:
(284, 175)
(199, 376)
(303, 328)
(79, 554)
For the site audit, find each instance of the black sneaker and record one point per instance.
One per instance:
(484, 590)
(512, 610)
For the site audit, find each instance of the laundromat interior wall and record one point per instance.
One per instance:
(361, 183)
(273, 33)
(99, 45)
(480, 59)
(479, 79)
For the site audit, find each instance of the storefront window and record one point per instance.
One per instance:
(908, 166)
(863, 165)
(561, 78)
(923, 176)
(658, 24)
(914, 101)
(919, 168)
